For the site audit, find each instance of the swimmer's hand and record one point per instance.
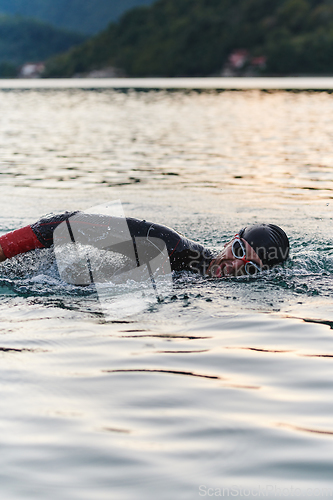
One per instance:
(2, 255)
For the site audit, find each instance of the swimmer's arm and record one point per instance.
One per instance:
(38, 235)
(19, 241)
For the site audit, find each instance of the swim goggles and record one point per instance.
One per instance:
(239, 252)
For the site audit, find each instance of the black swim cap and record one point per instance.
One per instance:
(270, 242)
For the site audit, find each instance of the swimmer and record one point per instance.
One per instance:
(253, 249)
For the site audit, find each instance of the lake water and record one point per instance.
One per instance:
(225, 383)
(203, 83)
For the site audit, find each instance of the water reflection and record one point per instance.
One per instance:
(172, 372)
(242, 142)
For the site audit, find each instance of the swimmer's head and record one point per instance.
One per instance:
(255, 248)
(269, 242)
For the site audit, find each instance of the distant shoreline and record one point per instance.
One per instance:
(202, 83)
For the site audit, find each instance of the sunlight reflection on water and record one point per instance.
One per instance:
(62, 139)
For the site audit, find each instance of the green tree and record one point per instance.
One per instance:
(196, 37)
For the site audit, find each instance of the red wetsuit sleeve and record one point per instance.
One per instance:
(19, 241)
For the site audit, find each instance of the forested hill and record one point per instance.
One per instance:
(196, 37)
(23, 40)
(86, 16)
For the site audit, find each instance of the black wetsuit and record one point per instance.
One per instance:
(130, 237)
